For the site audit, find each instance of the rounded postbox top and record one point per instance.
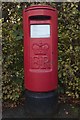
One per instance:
(34, 7)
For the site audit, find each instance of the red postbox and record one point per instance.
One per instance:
(40, 48)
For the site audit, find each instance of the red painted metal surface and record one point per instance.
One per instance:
(40, 54)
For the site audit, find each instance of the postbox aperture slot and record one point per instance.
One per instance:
(40, 31)
(40, 17)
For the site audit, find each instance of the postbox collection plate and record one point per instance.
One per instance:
(40, 31)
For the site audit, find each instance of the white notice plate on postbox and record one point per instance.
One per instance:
(40, 31)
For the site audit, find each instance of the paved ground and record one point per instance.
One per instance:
(64, 111)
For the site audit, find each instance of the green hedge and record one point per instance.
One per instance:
(68, 47)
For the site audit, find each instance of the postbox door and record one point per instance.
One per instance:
(40, 45)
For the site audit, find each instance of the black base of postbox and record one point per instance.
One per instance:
(41, 104)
